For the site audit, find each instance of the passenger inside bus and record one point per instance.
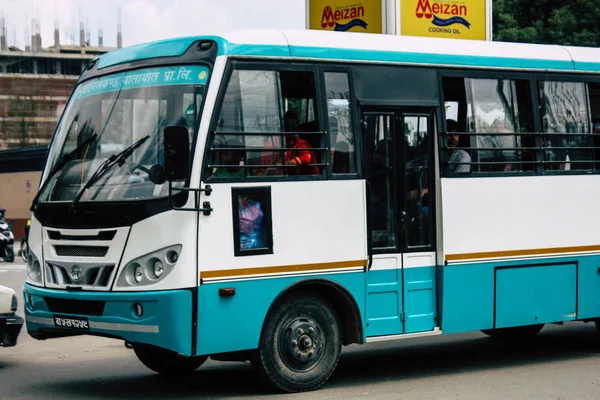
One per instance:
(459, 160)
(235, 158)
(299, 155)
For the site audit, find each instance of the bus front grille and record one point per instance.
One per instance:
(81, 251)
(80, 275)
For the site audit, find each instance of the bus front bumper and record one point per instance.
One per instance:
(161, 318)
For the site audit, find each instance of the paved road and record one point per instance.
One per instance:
(564, 363)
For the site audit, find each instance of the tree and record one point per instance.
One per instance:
(564, 22)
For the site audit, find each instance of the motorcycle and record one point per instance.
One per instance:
(7, 239)
(25, 243)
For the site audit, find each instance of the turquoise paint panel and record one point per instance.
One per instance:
(588, 303)
(383, 277)
(468, 297)
(234, 323)
(257, 50)
(164, 48)
(170, 310)
(384, 301)
(176, 47)
(146, 77)
(535, 295)
(420, 299)
(587, 66)
(423, 58)
(467, 292)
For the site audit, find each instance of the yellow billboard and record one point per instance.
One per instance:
(345, 15)
(456, 19)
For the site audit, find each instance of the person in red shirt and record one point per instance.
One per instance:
(299, 155)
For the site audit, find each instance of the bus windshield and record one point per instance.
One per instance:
(107, 115)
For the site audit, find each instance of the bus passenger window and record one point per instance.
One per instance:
(268, 126)
(594, 91)
(494, 113)
(565, 126)
(341, 131)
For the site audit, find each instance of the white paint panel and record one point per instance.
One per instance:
(209, 104)
(520, 213)
(159, 231)
(585, 54)
(385, 261)
(415, 260)
(313, 222)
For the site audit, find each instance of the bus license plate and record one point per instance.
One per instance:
(78, 323)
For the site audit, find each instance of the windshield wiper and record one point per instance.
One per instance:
(60, 164)
(118, 158)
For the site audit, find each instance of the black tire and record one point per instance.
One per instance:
(515, 333)
(598, 324)
(9, 255)
(300, 344)
(166, 362)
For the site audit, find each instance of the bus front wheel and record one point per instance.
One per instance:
(166, 362)
(515, 333)
(300, 345)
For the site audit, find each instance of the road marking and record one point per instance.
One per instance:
(15, 268)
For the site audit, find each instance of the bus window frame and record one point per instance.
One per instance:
(483, 74)
(534, 78)
(266, 206)
(264, 65)
(354, 117)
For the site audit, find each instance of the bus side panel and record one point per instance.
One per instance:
(420, 299)
(468, 299)
(588, 294)
(554, 289)
(234, 323)
(515, 221)
(535, 295)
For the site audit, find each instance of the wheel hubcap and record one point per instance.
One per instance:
(301, 344)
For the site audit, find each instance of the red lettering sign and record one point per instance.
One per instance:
(329, 17)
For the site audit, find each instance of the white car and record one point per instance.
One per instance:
(10, 322)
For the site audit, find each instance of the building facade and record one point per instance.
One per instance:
(35, 85)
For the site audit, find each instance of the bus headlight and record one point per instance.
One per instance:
(158, 268)
(138, 274)
(34, 269)
(149, 268)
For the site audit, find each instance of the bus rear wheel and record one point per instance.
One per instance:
(515, 333)
(166, 362)
(598, 324)
(300, 345)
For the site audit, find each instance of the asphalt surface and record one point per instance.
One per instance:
(562, 363)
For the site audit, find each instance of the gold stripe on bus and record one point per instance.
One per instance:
(521, 253)
(282, 269)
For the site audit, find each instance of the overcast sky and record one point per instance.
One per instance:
(144, 20)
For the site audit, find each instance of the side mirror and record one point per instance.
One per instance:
(177, 152)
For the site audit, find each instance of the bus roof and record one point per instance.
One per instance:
(364, 47)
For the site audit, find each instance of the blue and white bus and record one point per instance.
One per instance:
(272, 196)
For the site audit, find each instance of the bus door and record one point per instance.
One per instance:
(401, 296)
